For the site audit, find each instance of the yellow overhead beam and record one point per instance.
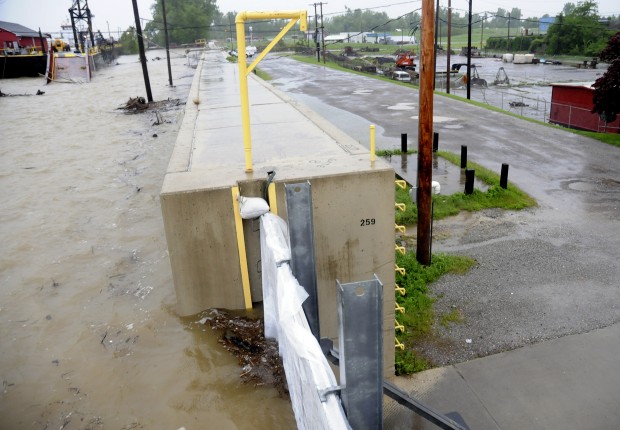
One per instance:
(244, 70)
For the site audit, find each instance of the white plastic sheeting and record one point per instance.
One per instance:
(307, 370)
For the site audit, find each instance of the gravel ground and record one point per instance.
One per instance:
(532, 281)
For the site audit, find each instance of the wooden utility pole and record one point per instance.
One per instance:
(469, 54)
(316, 35)
(163, 5)
(449, 45)
(145, 72)
(425, 134)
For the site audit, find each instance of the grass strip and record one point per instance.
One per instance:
(512, 198)
(419, 315)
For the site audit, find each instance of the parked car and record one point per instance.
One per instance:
(402, 76)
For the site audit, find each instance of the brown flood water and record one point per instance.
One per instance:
(89, 337)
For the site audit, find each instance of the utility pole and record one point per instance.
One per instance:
(316, 35)
(482, 29)
(435, 45)
(232, 45)
(508, 41)
(469, 54)
(145, 71)
(425, 135)
(449, 45)
(163, 5)
(322, 32)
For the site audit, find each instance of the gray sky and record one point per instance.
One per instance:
(118, 14)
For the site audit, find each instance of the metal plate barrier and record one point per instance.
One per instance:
(301, 231)
(360, 312)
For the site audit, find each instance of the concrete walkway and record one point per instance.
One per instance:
(567, 383)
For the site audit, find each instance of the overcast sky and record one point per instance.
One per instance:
(118, 14)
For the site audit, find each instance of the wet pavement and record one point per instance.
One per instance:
(541, 274)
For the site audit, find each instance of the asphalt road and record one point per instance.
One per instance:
(541, 273)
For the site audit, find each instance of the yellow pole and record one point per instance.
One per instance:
(240, 19)
(243, 89)
(372, 142)
(243, 261)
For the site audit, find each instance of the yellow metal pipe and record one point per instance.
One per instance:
(300, 15)
(400, 249)
(402, 184)
(271, 45)
(273, 202)
(401, 207)
(399, 345)
(400, 228)
(401, 290)
(243, 261)
(372, 142)
(400, 270)
(243, 91)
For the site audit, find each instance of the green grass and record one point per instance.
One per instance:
(453, 317)
(263, 75)
(512, 198)
(419, 315)
(610, 139)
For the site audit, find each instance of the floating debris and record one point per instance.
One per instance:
(136, 103)
(139, 104)
(245, 339)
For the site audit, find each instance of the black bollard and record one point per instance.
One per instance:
(463, 156)
(469, 181)
(503, 180)
(403, 143)
(435, 141)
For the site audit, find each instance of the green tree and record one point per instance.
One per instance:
(607, 88)
(188, 20)
(129, 41)
(578, 32)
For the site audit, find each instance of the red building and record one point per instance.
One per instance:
(23, 52)
(571, 106)
(17, 39)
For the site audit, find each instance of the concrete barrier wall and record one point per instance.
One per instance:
(353, 198)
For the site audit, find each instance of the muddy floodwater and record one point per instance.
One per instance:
(89, 334)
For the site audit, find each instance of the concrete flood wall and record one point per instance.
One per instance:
(353, 198)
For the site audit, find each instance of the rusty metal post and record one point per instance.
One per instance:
(435, 141)
(403, 143)
(425, 134)
(463, 156)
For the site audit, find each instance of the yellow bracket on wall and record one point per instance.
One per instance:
(244, 70)
(399, 289)
(399, 345)
(243, 261)
(399, 326)
(399, 308)
(401, 206)
(372, 142)
(400, 228)
(400, 249)
(273, 202)
(401, 183)
(400, 270)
